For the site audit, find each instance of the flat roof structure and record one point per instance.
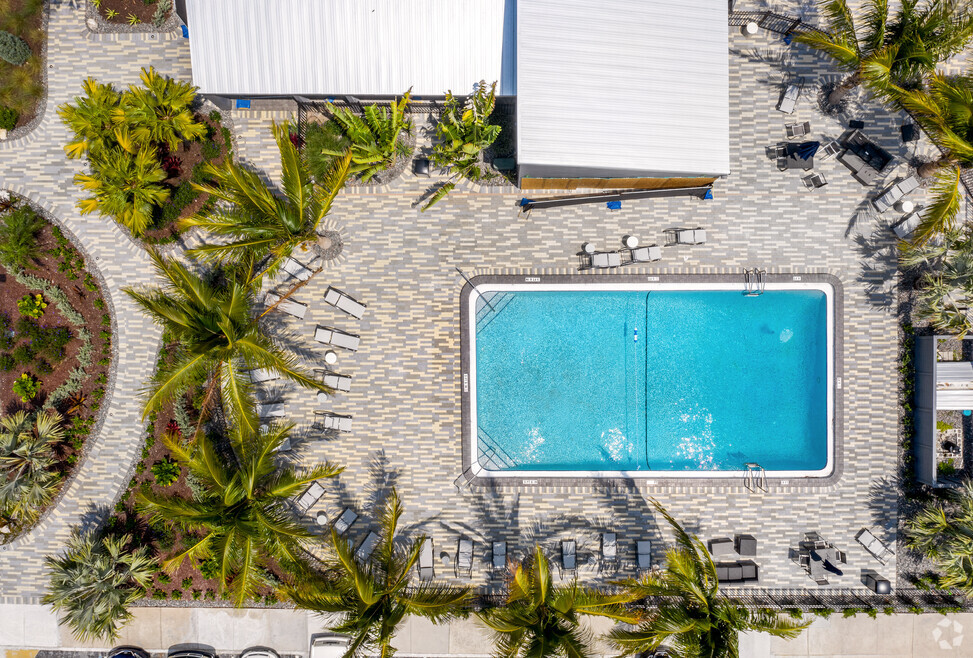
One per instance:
(351, 47)
(619, 88)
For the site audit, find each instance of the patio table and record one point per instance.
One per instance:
(794, 160)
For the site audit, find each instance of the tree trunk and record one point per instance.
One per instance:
(929, 169)
(844, 88)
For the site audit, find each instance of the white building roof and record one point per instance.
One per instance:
(246, 48)
(622, 87)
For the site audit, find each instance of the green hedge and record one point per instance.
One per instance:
(8, 118)
(13, 49)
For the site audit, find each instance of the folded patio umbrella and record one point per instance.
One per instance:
(807, 150)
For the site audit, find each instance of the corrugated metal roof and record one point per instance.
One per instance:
(353, 47)
(622, 85)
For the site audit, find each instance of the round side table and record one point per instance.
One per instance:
(749, 29)
(630, 241)
(588, 248)
(331, 357)
(321, 518)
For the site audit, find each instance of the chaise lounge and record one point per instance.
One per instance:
(894, 193)
(332, 421)
(874, 545)
(344, 302)
(289, 306)
(310, 496)
(336, 338)
(425, 560)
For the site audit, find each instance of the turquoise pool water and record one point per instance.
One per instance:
(714, 380)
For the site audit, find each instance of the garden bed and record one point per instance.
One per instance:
(132, 14)
(22, 87)
(66, 351)
(184, 166)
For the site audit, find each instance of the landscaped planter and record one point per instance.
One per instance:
(24, 86)
(116, 16)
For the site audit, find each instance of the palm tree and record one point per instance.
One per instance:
(241, 509)
(91, 118)
(256, 222)
(374, 139)
(945, 111)
(463, 132)
(216, 338)
(541, 619)
(18, 238)
(160, 111)
(27, 442)
(95, 581)
(375, 596)
(944, 290)
(882, 51)
(692, 620)
(125, 185)
(943, 532)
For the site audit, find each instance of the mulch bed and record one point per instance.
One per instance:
(182, 165)
(143, 10)
(22, 87)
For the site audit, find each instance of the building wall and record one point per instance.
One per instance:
(613, 183)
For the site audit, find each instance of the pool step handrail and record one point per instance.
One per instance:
(497, 302)
(754, 281)
(491, 449)
(755, 477)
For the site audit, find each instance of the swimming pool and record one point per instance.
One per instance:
(649, 380)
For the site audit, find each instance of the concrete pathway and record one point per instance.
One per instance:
(35, 167)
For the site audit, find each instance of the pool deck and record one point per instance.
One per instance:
(407, 375)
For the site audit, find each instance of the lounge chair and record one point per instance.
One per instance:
(644, 255)
(343, 301)
(499, 555)
(745, 544)
(296, 270)
(310, 496)
(895, 192)
(721, 546)
(795, 130)
(814, 181)
(874, 545)
(270, 410)
(425, 560)
(336, 338)
(336, 381)
(289, 306)
(908, 224)
(601, 260)
(831, 149)
(569, 556)
(644, 550)
(609, 551)
(261, 375)
(788, 100)
(464, 558)
(345, 521)
(688, 235)
(331, 421)
(367, 546)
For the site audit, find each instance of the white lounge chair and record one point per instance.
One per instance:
(569, 556)
(344, 302)
(788, 101)
(289, 306)
(331, 421)
(499, 555)
(261, 375)
(270, 410)
(345, 521)
(644, 549)
(601, 260)
(296, 270)
(338, 382)
(874, 545)
(336, 338)
(425, 560)
(893, 194)
(367, 546)
(908, 224)
(310, 496)
(645, 255)
(464, 558)
(689, 235)
(609, 550)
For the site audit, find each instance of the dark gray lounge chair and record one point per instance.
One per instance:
(310, 496)
(367, 546)
(814, 181)
(609, 551)
(644, 551)
(569, 556)
(345, 521)
(795, 130)
(499, 556)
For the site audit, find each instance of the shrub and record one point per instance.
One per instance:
(89, 283)
(23, 354)
(209, 569)
(26, 387)
(942, 425)
(211, 150)
(161, 12)
(7, 362)
(163, 577)
(13, 49)
(187, 582)
(215, 116)
(44, 368)
(32, 306)
(166, 472)
(8, 117)
(99, 303)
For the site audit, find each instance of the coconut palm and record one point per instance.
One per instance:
(94, 582)
(693, 620)
(216, 339)
(945, 111)
(18, 238)
(125, 185)
(463, 133)
(373, 138)
(944, 290)
(881, 50)
(27, 442)
(159, 111)
(542, 619)
(374, 596)
(240, 514)
(91, 118)
(256, 222)
(943, 532)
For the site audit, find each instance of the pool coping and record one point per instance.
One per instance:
(534, 481)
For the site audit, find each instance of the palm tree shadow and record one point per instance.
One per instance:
(879, 266)
(883, 502)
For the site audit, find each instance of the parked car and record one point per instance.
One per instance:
(191, 651)
(329, 645)
(259, 652)
(128, 652)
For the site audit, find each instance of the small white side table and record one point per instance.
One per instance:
(906, 206)
(630, 241)
(321, 518)
(331, 357)
(749, 29)
(588, 248)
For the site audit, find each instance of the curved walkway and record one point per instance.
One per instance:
(35, 167)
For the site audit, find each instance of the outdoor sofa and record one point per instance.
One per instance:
(741, 571)
(866, 160)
